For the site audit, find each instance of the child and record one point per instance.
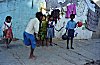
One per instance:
(50, 29)
(44, 31)
(31, 33)
(7, 31)
(70, 30)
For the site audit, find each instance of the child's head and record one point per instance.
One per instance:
(44, 17)
(8, 19)
(72, 16)
(39, 15)
(50, 18)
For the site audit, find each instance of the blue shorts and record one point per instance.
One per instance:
(50, 33)
(29, 39)
(71, 33)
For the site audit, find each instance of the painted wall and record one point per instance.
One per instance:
(21, 12)
(81, 15)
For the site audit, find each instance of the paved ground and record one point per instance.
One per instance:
(86, 52)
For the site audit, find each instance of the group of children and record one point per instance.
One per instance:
(39, 30)
(46, 31)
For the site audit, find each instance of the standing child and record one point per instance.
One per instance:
(50, 29)
(7, 31)
(44, 30)
(70, 30)
(31, 33)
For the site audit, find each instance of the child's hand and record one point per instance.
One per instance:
(37, 38)
(4, 37)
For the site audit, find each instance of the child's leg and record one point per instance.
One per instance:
(46, 42)
(72, 43)
(67, 43)
(4, 34)
(42, 42)
(50, 41)
(33, 45)
(32, 56)
(7, 43)
(31, 53)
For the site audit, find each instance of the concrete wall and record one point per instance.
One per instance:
(97, 33)
(21, 12)
(81, 15)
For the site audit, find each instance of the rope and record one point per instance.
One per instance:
(60, 28)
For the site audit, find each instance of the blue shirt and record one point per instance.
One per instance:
(71, 25)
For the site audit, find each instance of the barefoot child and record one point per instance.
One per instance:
(31, 33)
(7, 30)
(70, 30)
(50, 29)
(44, 30)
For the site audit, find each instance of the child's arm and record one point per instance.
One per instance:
(75, 25)
(4, 30)
(53, 24)
(36, 29)
(3, 27)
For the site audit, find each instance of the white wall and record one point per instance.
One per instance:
(21, 12)
(82, 34)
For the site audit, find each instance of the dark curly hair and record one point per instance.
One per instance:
(8, 17)
(39, 14)
(72, 15)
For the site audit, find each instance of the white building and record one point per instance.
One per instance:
(22, 10)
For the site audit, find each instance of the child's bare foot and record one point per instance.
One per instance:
(72, 48)
(51, 44)
(32, 57)
(7, 46)
(42, 44)
(46, 45)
